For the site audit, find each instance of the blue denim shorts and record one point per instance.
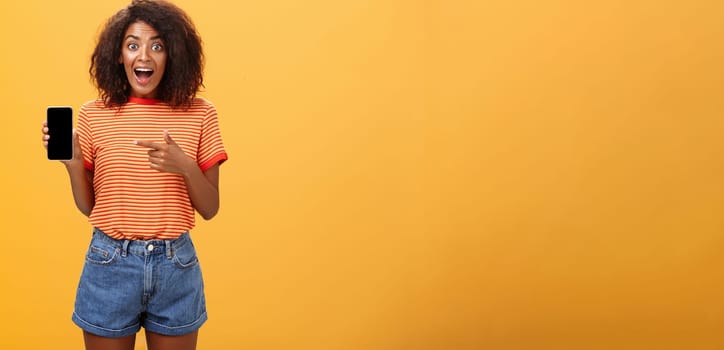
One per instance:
(126, 285)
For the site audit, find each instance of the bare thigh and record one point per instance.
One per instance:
(95, 342)
(157, 341)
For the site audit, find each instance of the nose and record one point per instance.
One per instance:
(143, 54)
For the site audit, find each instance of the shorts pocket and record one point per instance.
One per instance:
(185, 256)
(102, 255)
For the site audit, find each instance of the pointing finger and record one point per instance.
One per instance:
(149, 144)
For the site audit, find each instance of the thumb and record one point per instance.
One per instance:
(167, 138)
(77, 151)
(76, 138)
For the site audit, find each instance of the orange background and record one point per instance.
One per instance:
(411, 174)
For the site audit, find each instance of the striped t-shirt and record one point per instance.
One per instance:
(132, 200)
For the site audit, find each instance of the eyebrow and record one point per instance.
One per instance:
(137, 38)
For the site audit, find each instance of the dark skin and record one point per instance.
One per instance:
(143, 49)
(154, 341)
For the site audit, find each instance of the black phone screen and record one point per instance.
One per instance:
(60, 130)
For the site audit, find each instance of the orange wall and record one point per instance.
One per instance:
(411, 175)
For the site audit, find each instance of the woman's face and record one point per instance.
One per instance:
(144, 59)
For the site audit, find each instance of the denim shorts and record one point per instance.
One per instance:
(126, 285)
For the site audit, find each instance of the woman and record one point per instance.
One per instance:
(146, 156)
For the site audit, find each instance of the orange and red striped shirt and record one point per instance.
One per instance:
(132, 200)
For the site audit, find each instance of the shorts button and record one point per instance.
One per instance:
(150, 247)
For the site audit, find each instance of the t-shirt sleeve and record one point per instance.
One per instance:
(85, 137)
(211, 148)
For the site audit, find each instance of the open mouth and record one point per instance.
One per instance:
(143, 75)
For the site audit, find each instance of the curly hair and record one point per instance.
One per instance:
(183, 75)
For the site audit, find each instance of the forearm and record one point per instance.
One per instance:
(203, 192)
(81, 182)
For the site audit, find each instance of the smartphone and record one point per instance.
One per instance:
(60, 129)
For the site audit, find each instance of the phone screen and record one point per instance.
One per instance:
(60, 130)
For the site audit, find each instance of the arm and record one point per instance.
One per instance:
(202, 186)
(81, 182)
(81, 179)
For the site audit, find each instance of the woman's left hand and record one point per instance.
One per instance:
(167, 157)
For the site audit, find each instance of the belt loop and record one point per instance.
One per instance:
(169, 248)
(125, 247)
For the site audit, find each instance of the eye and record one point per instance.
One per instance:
(156, 47)
(132, 46)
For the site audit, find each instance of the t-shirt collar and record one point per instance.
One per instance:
(143, 101)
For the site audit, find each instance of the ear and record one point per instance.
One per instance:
(120, 59)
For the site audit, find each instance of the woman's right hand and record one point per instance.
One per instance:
(77, 153)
